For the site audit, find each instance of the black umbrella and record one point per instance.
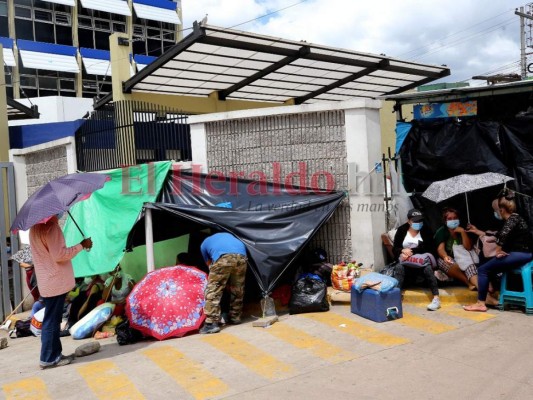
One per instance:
(57, 196)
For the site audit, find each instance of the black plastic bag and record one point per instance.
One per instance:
(308, 295)
(389, 269)
(126, 334)
(22, 328)
(323, 270)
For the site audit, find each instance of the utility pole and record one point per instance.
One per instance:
(523, 55)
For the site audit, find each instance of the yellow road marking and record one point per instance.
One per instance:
(303, 340)
(27, 389)
(448, 296)
(457, 311)
(107, 381)
(255, 359)
(424, 324)
(195, 379)
(356, 329)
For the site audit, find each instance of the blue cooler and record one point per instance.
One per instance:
(377, 306)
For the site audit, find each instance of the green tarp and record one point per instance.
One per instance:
(110, 213)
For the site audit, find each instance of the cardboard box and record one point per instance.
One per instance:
(377, 306)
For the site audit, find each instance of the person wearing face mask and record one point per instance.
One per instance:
(414, 247)
(446, 237)
(514, 247)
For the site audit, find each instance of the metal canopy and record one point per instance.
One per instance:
(246, 66)
(16, 110)
(459, 94)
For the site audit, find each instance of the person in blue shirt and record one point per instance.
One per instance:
(226, 257)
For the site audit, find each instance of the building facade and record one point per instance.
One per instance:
(61, 47)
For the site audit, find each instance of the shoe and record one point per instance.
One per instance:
(210, 328)
(64, 360)
(434, 305)
(235, 321)
(64, 332)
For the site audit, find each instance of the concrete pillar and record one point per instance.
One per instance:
(199, 146)
(120, 72)
(363, 150)
(78, 82)
(15, 74)
(4, 129)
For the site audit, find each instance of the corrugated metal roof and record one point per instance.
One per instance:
(454, 94)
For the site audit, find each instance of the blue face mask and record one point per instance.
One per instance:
(417, 225)
(497, 215)
(452, 224)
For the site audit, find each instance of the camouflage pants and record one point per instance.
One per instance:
(230, 268)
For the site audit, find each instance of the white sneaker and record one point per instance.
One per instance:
(434, 305)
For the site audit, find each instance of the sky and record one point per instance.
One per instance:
(471, 37)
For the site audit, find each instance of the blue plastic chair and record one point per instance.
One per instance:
(524, 298)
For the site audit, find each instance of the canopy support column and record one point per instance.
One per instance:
(149, 233)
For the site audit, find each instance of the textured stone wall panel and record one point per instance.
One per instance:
(318, 139)
(43, 166)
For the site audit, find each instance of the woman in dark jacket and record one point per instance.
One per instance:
(414, 248)
(514, 249)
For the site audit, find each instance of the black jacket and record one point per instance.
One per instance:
(426, 246)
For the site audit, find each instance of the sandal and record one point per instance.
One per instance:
(475, 307)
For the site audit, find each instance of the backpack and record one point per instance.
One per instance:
(22, 328)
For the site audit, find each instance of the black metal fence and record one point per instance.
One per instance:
(132, 132)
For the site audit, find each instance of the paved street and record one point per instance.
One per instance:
(446, 354)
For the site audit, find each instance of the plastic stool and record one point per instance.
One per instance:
(524, 298)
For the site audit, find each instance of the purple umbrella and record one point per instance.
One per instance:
(57, 196)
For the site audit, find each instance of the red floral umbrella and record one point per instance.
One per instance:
(168, 302)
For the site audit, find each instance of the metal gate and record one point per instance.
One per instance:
(132, 132)
(10, 282)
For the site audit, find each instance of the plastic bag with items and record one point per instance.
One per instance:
(89, 324)
(36, 324)
(309, 294)
(378, 282)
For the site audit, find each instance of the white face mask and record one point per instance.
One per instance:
(452, 223)
(417, 225)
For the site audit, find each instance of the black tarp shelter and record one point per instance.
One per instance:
(274, 221)
(437, 150)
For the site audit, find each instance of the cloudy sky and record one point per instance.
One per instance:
(472, 37)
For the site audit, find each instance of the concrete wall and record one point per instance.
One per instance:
(56, 109)
(36, 165)
(340, 138)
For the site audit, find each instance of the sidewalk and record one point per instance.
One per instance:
(445, 354)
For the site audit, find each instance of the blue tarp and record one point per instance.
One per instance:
(402, 130)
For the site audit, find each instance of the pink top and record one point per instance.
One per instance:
(51, 258)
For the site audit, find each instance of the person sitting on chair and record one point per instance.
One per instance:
(413, 248)
(445, 238)
(514, 249)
